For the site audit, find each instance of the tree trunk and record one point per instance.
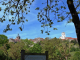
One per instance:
(75, 19)
(66, 58)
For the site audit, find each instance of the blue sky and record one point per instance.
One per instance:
(33, 26)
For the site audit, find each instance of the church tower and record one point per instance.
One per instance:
(63, 35)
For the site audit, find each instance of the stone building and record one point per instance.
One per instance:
(17, 39)
(63, 37)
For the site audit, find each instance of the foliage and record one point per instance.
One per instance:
(3, 39)
(74, 49)
(21, 6)
(35, 49)
(57, 49)
(74, 41)
(76, 56)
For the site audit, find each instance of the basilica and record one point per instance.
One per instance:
(63, 37)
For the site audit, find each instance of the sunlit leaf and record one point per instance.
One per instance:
(70, 20)
(55, 28)
(37, 8)
(26, 4)
(46, 25)
(26, 20)
(57, 9)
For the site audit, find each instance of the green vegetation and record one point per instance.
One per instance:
(57, 49)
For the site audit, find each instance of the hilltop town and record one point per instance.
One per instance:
(63, 37)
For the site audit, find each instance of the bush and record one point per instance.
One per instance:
(76, 56)
(74, 49)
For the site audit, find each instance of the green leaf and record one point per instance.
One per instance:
(70, 20)
(38, 12)
(58, 14)
(45, 9)
(58, 21)
(78, 12)
(26, 4)
(56, 4)
(0, 19)
(41, 25)
(52, 10)
(62, 18)
(16, 10)
(25, 9)
(48, 34)
(52, 6)
(42, 31)
(64, 7)
(48, 6)
(55, 29)
(26, 20)
(38, 19)
(67, 12)
(46, 31)
(9, 19)
(13, 23)
(21, 6)
(3, 19)
(26, 13)
(28, 10)
(57, 9)
(37, 16)
(41, 16)
(0, 8)
(20, 28)
(46, 25)
(51, 22)
(22, 11)
(37, 8)
(61, 7)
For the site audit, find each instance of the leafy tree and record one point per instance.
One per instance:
(74, 41)
(74, 49)
(53, 48)
(2, 56)
(3, 39)
(36, 49)
(28, 43)
(15, 50)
